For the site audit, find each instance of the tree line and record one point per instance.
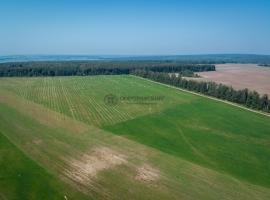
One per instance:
(250, 99)
(264, 65)
(84, 68)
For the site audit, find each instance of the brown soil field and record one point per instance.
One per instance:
(240, 76)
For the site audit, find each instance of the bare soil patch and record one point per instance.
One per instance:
(37, 141)
(146, 173)
(240, 76)
(85, 169)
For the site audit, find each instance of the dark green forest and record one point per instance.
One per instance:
(85, 68)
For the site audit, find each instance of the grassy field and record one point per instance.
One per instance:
(60, 140)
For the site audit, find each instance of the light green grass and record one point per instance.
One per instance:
(22, 178)
(82, 98)
(203, 149)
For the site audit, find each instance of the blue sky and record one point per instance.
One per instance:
(134, 27)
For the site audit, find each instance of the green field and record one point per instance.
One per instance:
(60, 140)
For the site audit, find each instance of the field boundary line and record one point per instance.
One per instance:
(205, 96)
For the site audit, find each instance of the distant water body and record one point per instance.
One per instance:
(27, 58)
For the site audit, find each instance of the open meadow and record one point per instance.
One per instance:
(106, 137)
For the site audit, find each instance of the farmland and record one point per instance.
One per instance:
(240, 76)
(61, 133)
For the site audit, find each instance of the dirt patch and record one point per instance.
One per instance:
(85, 169)
(37, 141)
(146, 173)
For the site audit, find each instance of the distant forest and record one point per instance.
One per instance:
(85, 68)
(264, 65)
(250, 99)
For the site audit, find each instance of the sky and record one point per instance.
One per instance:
(149, 27)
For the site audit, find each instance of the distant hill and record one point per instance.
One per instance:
(207, 58)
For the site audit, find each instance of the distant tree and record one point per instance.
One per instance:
(255, 100)
(263, 103)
